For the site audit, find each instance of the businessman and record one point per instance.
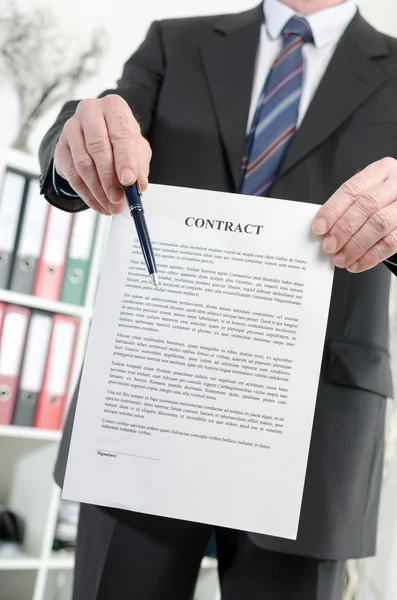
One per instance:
(293, 99)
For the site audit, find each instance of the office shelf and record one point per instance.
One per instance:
(43, 304)
(28, 455)
(29, 433)
(61, 562)
(24, 562)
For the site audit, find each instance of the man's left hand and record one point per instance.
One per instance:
(359, 222)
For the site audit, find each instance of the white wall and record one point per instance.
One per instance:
(381, 13)
(127, 22)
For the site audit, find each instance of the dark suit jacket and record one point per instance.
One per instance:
(189, 85)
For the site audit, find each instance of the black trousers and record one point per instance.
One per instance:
(130, 556)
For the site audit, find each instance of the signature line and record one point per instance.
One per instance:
(125, 454)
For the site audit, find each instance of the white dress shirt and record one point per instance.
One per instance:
(327, 27)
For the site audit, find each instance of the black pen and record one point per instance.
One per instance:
(136, 211)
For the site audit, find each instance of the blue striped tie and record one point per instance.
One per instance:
(276, 116)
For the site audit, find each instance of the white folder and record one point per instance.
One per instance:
(30, 240)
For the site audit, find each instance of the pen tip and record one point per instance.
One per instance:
(155, 279)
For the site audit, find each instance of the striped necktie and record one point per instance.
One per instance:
(276, 116)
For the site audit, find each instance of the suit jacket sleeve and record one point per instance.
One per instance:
(139, 85)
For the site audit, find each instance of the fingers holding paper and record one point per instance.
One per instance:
(359, 222)
(101, 149)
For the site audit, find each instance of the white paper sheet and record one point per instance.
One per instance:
(197, 398)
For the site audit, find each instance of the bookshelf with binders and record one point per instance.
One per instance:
(49, 268)
(39, 564)
(44, 251)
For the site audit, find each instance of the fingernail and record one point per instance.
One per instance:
(320, 226)
(353, 267)
(340, 259)
(330, 244)
(116, 194)
(127, 176)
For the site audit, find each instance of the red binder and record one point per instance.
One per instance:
(51, 265)
(12, 344)
(52, 397)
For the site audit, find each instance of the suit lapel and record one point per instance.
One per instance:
(228, 55)
(350, 80)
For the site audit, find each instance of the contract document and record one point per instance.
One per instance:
(197, 397)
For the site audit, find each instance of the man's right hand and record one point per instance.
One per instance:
(101, 148)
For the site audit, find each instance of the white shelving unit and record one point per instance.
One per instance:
(27, 455)
(30, 433)
(41, 303)
(27, 459)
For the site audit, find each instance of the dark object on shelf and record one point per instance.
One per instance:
(11, 527)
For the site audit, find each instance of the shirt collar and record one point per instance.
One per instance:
(327, 25)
